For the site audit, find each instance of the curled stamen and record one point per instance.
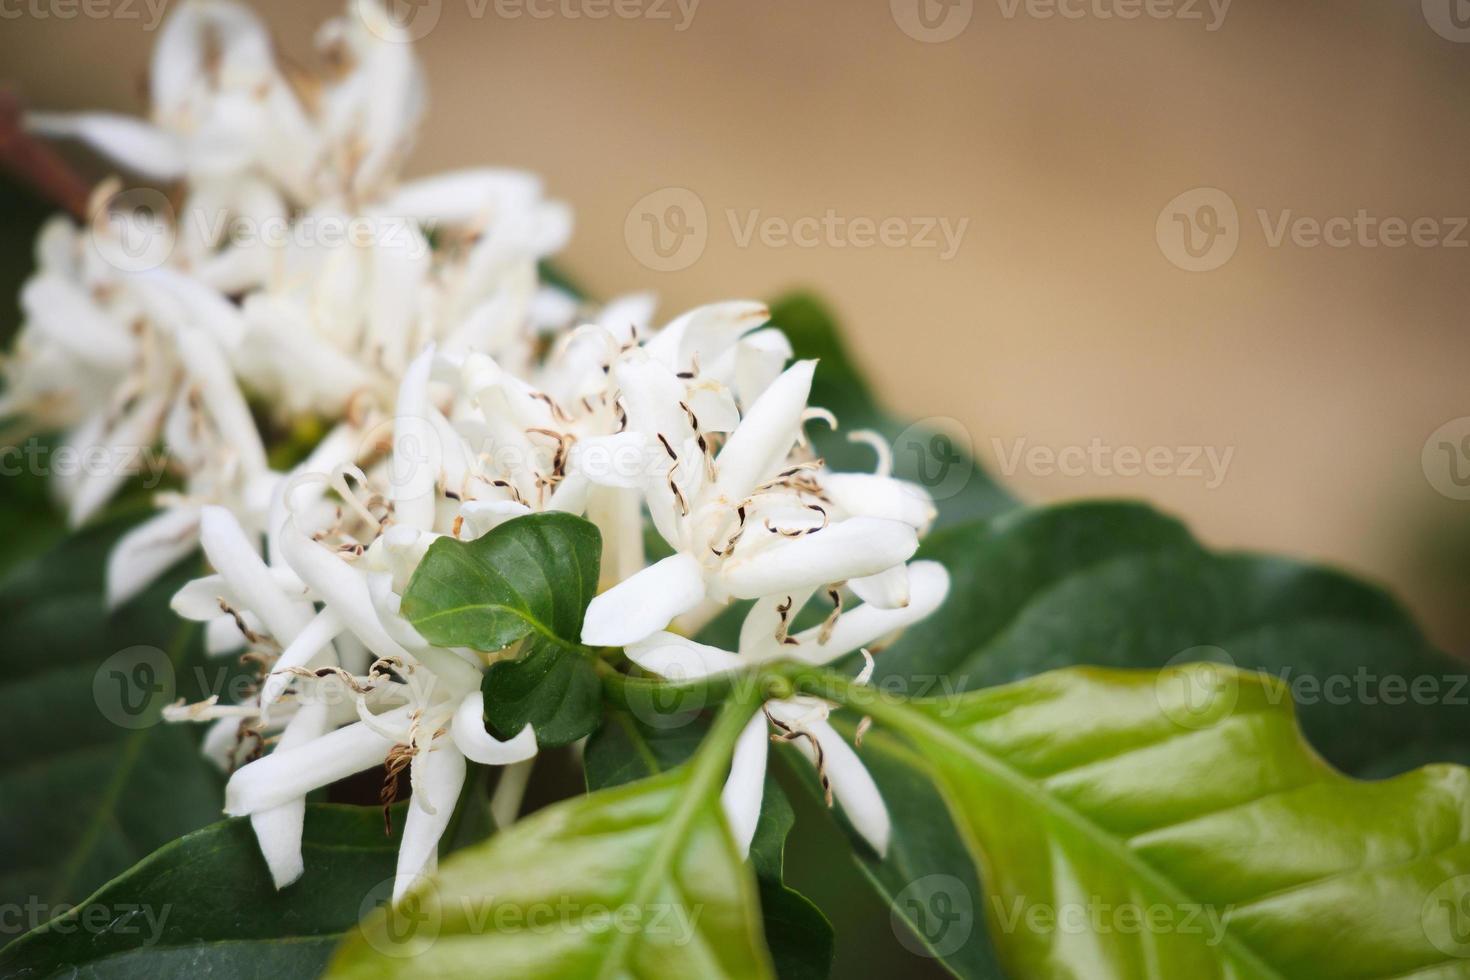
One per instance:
(830, 623)
(783, 610)
(789, 734)
(862, 729)
(668, 448)
(399, 758)
(880, 446)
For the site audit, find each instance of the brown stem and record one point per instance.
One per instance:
(36, 164)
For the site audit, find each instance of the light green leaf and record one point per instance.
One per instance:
(204, 906)
(797, 932)
(639, 880)
(533, 574)
(1175, 824)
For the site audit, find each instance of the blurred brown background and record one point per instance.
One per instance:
(1060, 319)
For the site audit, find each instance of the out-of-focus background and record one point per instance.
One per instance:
(1047, 137)
(1224, 244)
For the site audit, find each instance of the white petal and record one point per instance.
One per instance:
(233, 556)
(479, 745)
(746, 784)
(647, 602)
(278, 830)
(870, 495)
(624, 459)
(628, 316)
(198, 599)
(131, 143)
(222, 634)
(758, 631)
(703, 333)
(149, 550)
(441, 776)
(763, 440)
(929, 584)
(340, 586)
(206, 364)
(287, 774)
(312, 640)
(416, 450)
(852, 785)
(679, 658)
(63, 312)
(845, 550)
(889, 589)
(122, 446)
(759, 360)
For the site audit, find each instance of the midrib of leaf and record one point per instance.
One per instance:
(708, 767)
(133, 744)
(918, 723)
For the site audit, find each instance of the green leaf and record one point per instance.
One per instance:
(638, 880)
(1175, 824)
(533, 574)
(1120, 585)
(938, 457)
(549, 686)
(204, 906)
(90, 780)
(624, 749)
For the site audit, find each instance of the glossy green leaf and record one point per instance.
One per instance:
(204, 906)
(1121, 585)
(797, 933)
(1176, 824)
(937, 454)
(638, 880)
(533, 574)
(90, 780)
(550, 686)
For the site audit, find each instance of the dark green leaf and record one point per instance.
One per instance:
(1121, 585)
(549, 686)
(90, 780)
(534, 574)
(204, 906)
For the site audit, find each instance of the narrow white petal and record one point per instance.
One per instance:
(870, 495)
(315, 637)
(845, 550)
(763, 622)
(149, 550)
(704, 333)
(287, 774)
(476, 743)
(278, 830)
(341, 587)
(889, 589)
(644, 603)
(759, 360)
(852, 785)
(441, 776)
(416, 449)
(64, 313)
(234, 557)
(198, 599)
(928, 584)
(122, 447)
(679, 658)
(131, 143)
(746, 784)
(763, 440)
(222, 397)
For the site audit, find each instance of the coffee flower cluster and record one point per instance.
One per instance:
(460, 392)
